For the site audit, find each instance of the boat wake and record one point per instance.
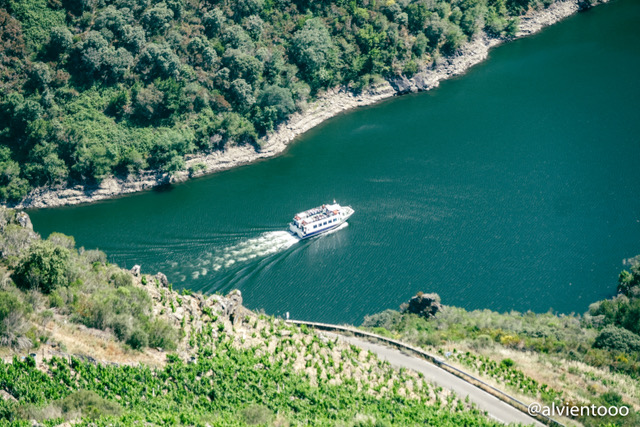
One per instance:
(258, 247)
(239, 254)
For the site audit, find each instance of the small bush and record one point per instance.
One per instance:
(138, 339)
(121, 279)
(90, 405)
(162, 334)
(618, 339)
(44, 267)
(507, 363)
(63, 240)
(257, 414)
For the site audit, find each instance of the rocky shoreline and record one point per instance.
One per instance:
(326, 106)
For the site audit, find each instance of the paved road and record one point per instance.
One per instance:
(495, 407)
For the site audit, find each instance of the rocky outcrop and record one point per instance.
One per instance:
(24, 220)
(425, 305)
(135, 270)
(326, 106)
(232, 305)
(16, 232)
(164, 282)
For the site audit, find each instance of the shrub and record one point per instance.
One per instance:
(618, 339)
(60, 239)
(122, 278)
(90, 405)
(44, 267)
(507, 363)
(138, 339)
(162, 334)
(60, 41)
(257, 414)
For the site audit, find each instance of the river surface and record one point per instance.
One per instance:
(513, 187)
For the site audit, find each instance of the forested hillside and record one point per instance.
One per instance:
(93, 88)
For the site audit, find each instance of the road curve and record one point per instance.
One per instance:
(496, 408)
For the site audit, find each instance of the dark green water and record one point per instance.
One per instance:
(512, 187)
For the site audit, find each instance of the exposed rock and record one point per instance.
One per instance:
(24, 220)
(6, 396)
(163, 280)
(426, 305)
(234, 305)
(402, 84)
(135, 270)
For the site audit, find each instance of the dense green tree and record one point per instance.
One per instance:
(44, 267)
(12, 186)
(420, 45)
(213, 21)
(242, 94)
(453, 39)
(244, 8)
(618, 339)
(238, 129)
(92, 161)
(280, 99)
(202, 53)
(45, 168)
(435, 30)
(242, 65)
(235, 37)
(158, 61)
(168, 152)
(40, 76)
(157, 19)
(133, 38)
(314, 52)
(254, 25)
(418, 13)
(116, 20)
(60, 42)
(148, 104)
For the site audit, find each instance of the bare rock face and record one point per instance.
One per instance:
(135, 270)
(426, 305)
(233, 305)
(24, 220)
(163, 280)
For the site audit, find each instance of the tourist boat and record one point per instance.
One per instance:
(319, 220)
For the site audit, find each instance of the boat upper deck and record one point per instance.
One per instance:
(317, 214)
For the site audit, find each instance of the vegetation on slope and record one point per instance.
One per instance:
(41, 278)
(90, 89)
(230, 366)
(600, 348)
(225, 386)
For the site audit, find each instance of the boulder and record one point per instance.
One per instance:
(402, 85)
(234, 304)
(164, 282)
(426, 305)
(24, 220)
(135, 270)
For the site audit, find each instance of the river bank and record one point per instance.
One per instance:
(328, 105)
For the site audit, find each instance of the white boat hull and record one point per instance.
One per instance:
(344, 213)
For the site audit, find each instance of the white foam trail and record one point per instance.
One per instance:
(265, 244)
(257, 247)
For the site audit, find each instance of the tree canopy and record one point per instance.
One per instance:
(89, 89)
